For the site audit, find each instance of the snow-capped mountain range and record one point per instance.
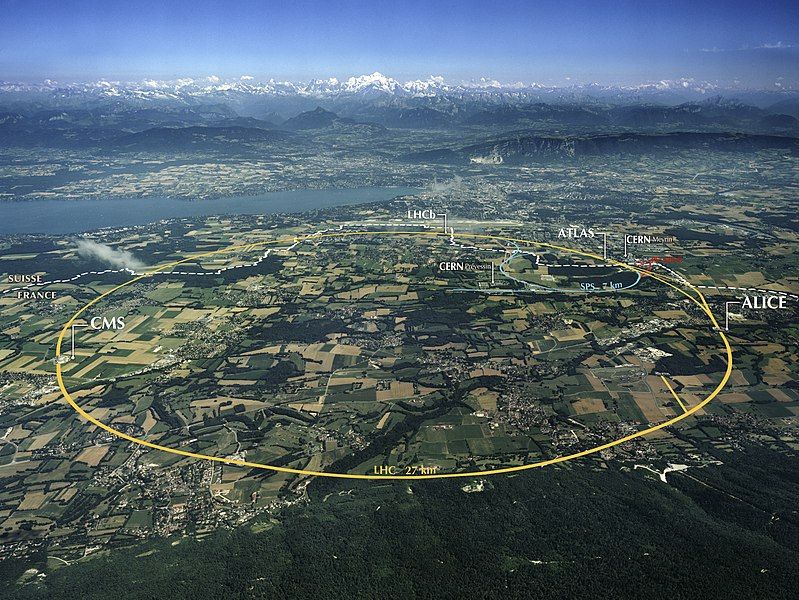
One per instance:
(354, 97)
(373, 85)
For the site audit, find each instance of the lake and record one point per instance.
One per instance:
(74, 216)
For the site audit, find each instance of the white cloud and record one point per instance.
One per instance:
(777, 46)
(122, 259)
(764, 46)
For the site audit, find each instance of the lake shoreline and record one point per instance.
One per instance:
(60, 217)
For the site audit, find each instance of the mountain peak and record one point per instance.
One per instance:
(376, 81)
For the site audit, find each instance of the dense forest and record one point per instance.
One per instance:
(573, 532)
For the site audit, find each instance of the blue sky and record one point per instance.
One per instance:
(610, 42)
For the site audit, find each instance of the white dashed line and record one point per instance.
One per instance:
(719, 288)
(341, 227)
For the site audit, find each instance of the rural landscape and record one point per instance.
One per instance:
(378, 337)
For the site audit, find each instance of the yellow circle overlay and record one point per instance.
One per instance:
(696, 297)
